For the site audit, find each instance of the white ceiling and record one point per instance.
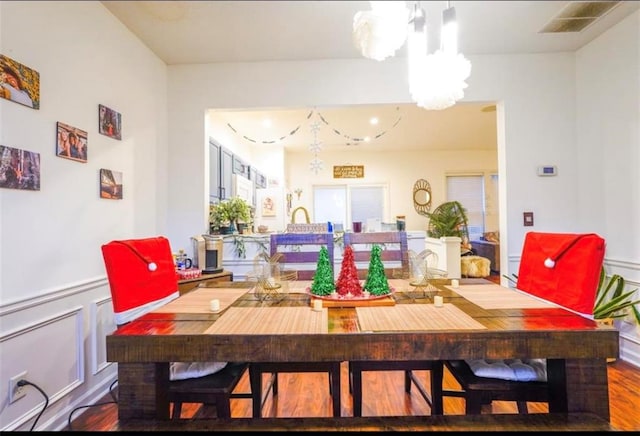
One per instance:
(192, 32)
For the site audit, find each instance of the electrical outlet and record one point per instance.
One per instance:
(16, 392)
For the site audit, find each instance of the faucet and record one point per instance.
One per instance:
(306, 215)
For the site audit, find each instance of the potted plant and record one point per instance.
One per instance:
(230, 212)
(218, 218)
(450, 219)
(612, 301)
(238, 212)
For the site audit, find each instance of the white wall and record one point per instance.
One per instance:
(54, 299)
(399, 170)
(533, 90)
(608, 155)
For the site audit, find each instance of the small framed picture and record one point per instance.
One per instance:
(268, 207)
(110, 184)
(71, 143)
(19, 83)
(19, 169)
(109, 122)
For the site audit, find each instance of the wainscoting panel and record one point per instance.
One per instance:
(102, 323)
(56, 344)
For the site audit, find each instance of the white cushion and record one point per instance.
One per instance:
(185, 370)
(510, 369)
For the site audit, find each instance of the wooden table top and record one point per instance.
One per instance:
(527, 330)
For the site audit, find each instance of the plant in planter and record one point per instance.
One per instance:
(450, 219)
(218, 217)
(612, 301)
(238, 211)
(229, 212)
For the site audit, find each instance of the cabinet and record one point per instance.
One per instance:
(259, 181)
(240, 167)
(223, 164)
(214, 171)
(220, 172)
(226, 178)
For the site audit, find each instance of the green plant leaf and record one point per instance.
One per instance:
(615, 305)
(636, 313)
(612, 301)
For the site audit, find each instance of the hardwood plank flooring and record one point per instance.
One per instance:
(306, 395)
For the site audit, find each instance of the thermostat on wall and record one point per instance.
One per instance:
(547, 170)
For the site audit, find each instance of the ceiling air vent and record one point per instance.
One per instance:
(576, 16)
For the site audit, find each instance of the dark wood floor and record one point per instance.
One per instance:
(306, 395)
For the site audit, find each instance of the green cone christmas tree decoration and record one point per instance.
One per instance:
(376, 282)
(348, 282)
(323, 283)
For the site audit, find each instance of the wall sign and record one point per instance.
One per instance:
(307, 228)
(348, 171)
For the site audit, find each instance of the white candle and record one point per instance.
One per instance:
(438, 301)
(215, 305)
(455, 283)
(317, 305)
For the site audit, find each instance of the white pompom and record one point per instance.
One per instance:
(152, 266)
(549, 263)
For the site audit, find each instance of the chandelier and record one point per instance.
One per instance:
(437, 80)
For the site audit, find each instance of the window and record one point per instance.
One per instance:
(468, 190)
(343, 204)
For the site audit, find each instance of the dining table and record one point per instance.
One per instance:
(477, 319)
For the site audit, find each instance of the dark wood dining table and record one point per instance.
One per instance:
(576, 347)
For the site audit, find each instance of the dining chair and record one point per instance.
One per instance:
(479, 390)
(394, 250)
(395, 257)
(142, 277)
(299, 253)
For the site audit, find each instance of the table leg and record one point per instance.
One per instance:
(143, 391)
(579, 385)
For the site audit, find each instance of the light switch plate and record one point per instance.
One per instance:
(528, 218)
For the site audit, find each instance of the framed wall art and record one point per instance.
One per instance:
(71, 143)
(110, 184)
(19, 83)
(19, 169)
(268, 207)
(109, 122)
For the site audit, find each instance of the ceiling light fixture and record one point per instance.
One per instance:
(436, 81)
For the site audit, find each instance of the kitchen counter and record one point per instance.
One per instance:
(240, 261)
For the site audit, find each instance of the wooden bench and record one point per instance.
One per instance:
(495, 422)
(478, 391)
(213, 390)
